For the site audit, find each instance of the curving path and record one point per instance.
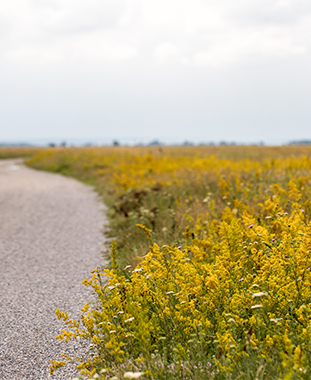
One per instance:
(50, 239)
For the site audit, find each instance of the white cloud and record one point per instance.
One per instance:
(143, 59)
(41, 55)
(249, 45)
(63, 29)
(215, 33)
(98, 47)
(168, 53)
(81, 16)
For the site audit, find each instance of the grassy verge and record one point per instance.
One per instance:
(17, 152)
(210, 276)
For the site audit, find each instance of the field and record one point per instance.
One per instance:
(210, 262)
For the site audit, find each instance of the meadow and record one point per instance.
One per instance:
(210, 262)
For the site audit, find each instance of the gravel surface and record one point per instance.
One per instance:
(50, 239)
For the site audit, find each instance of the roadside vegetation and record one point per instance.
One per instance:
(210, 274)
(18, 152)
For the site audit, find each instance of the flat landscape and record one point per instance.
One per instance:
(209, 276)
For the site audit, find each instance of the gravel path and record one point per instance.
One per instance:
(50, 239)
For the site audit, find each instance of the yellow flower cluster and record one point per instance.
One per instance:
(237, 288)
(223, 286)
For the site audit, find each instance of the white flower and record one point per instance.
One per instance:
(133, 375)
(137, 270)
(258, 306)
(129, 320)
(260, 294)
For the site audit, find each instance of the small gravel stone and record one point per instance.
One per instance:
(51, 238)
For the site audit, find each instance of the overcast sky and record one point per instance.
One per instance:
(139, 70)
